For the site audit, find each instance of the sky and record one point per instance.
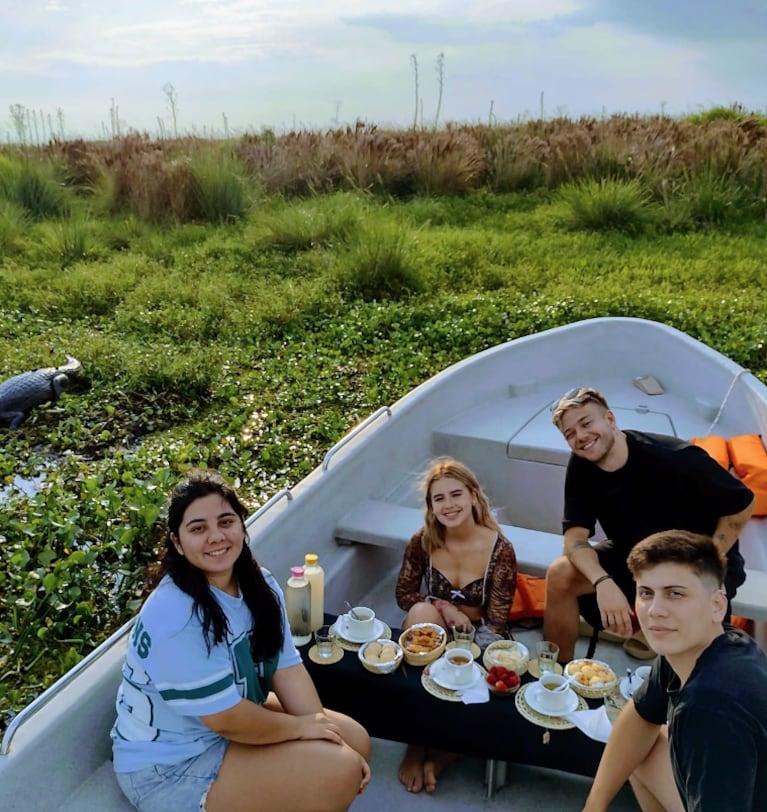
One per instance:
(92, 68)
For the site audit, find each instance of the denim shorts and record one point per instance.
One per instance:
(180, 787)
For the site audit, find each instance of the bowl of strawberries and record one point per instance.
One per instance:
(502, 681)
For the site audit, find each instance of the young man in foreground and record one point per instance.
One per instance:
(710, 684)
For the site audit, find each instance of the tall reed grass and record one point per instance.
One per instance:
(712, 164)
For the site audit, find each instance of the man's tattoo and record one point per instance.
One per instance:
(579, 545)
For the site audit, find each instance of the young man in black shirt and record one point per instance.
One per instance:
(709, 684)
(634, 484)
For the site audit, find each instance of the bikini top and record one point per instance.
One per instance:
(472, 594)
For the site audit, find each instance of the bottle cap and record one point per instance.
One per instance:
(311, 559)
(296, 572)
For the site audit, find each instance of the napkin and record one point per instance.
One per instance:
(594, 723)
(474, 694)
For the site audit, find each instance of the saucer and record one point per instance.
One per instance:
(445, 682)
(341, 629)
(534, 702)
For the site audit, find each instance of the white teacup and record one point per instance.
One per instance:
(458, 666)
(639, 676)
(550, 698)
(363, 624)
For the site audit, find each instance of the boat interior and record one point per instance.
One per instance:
(358, 509)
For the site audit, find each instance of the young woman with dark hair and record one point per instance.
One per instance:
(215, 708)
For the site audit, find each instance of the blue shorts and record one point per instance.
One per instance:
(180, 787)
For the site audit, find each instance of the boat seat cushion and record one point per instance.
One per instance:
(716, 447)
(529, 597)
(749, 459)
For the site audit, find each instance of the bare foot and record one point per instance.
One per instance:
(433, 765)
(411, 770)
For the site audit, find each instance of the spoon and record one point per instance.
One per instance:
(564, 686)
(351, 611)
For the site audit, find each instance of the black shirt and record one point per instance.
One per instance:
(666, 484)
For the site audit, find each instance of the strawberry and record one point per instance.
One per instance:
(491, 679)
(501, 686)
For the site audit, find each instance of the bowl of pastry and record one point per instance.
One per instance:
(423, 643)
(380, 656)
(593, 678)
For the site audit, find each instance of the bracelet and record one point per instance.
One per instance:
(602, 578)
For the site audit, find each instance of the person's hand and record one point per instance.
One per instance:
(455, 619)
(318, 726)
(614, 609)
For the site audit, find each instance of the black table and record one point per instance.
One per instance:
(397, 707)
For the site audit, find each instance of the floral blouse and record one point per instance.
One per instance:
(494, 592)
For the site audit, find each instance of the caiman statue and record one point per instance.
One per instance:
(21, 393)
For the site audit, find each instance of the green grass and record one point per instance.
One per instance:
(253, 344)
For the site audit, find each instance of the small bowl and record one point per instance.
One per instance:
(423, 657)
(508, 653)
(599, 689)
(381, 668)
(491, 685)
(495, 692)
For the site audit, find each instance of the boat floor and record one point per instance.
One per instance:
(462, 786)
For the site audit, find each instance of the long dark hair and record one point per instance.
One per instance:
(267, 631)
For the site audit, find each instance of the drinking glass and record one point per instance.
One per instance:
(323, 637)
(463, 639)
(547, 656)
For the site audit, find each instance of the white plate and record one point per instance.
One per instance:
(439, 675)
(531, 697)
(341, 628)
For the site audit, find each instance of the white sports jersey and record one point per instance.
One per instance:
(170, 679)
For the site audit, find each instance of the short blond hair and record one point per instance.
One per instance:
(573, 399)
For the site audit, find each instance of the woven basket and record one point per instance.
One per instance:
(381, 668)
(592, 691)
(423, 657)
(518, 650)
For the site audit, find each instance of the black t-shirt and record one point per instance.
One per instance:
(717, 724)
(666, 484)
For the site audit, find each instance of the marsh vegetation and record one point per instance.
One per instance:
(241, 304)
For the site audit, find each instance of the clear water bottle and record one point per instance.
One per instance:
(298, 602)
(315, 575)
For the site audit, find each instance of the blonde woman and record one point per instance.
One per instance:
(458, 571)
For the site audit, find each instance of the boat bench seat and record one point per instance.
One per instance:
(385, 524)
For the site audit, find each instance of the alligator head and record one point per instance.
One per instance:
(21, 393)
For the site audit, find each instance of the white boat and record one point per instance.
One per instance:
(359, 507)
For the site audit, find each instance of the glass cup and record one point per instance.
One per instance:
(547, 653)
(323, 637)
(463, 639)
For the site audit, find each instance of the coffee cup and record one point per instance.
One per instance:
(552, 696)
(642, 673)
(364, 622)
(458, 666)
(638, 677)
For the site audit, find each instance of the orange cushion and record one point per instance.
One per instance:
(749, 459)
(743, 623)
(529, 597)
(716, 447)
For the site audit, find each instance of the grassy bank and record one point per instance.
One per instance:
(247, 324)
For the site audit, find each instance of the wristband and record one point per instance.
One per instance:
(601, 578)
